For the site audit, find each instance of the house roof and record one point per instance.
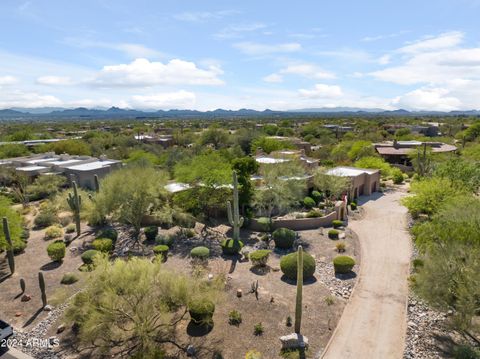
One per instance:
(350, 171)
(90, 166)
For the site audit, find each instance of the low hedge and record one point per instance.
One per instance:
(200, 252)
(309, 202)
(333, 234)
(56, 251)
(201, 311)
(343, 264)
(288, 265)
(231, 247)
(283, 238)
(337, 223)
(151, 233)
(260, 257)
(103, 245)
(108, 233)
(88, 256)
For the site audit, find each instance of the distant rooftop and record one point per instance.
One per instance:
(270, 160)
(91, 165)
(30, 168)
(349, 171)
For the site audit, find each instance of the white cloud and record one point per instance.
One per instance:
(436, 99)
(308, 70)
(180, 99)
(273, 78)
(132, 50)
(322, 91)
(445, 40)
(142, 72)
(7, 80)
(254, 49)
(382, 37)
(237, 31)
(19, 98)
(54, 80)
(203, 16)
(384, 60)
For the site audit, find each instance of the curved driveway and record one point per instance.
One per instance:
(373, 324)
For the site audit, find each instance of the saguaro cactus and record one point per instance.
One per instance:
(10, 257)
(97, 183)
(298, 304)
(22, 285)
(234, 218)
(75, 202)
(41, 284)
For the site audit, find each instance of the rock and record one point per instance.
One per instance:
(18, 314)
(210, 277)
(48, 308)
(191, 350)
(239, 293)
(73, 249)
(60, 328)
(293, 341)
(275, 269)
(26, 298)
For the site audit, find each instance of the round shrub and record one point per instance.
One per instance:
(333, 234)
(397, 176)
(45, 219)
(314, 214)
(53, 232)
(19, 246)
(165, 240)
(108, 233)
(309, 202)
(25, 234)
(200, 252)
(69, 278)
(56, 251)
(162, 250)
(265, 224)
(103, 244)
(317, 196)
(71, 228)
(343, 264)
(88, 256)
(260, 257)
(337, 223)
(283, 238)
(288, 265)
(201, 311)
(353, 206)
(151, 232)
(231, 247)
(253, 354)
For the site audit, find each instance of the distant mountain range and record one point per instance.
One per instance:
(115, 112)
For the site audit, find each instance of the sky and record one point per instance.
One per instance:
(206, 54)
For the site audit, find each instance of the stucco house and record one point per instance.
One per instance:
(364, 181)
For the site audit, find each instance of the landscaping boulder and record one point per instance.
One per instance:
(294, 341)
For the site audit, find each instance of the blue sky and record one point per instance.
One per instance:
(207, 54)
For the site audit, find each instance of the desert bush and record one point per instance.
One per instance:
(89, 255)
(56, 251)
(70, 228)
(317, 196)
(19, 246)
(188, 232)
(333, 234)
(69, 278)
(288, 265)
(103, 245)
(231, 247)
(200, 252)
(258, 329)
(397, 176)
(64, 221)
(235, 318)
(314, 213)
(165, 240)
(108, 233)
(309, 202)
(466, 352)
(353, 206)
(340, 247)
(25, 234)
(417, 263)
(201, 311)
(162, 250)
(45, 219)
(343, 264)
(283, 238)
(53, 232)
(260, 257)
(265, 224)
(337, 223)
(151, 232)
(253, 354)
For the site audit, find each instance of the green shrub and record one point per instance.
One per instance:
(201, 311)
(317, 196)
(397, 176)
(25, 234)
(343, 264)
(165, 240)
(340, 247)
(353, 206)
(56, 251)
(45, 218)
(337, 223)
(265, 224)
(53, 232)
(88, 256)
(19, 246)
(200, 252)
(162, 250)
(108, 233)
(258, 329)
(231, 247)
(314, 213)
(69, 278)
(333, 234)
(151, 232)
(283, 238)
(309, 202)
(466, 352)
(65, 220)
(417, 264)
(71, 228)
(253, 354)
(260, 257)
(188, 232)
(234, 318)
(103, 245)
(288, 265)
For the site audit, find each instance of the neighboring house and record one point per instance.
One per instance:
(364, 181)
(283, 156)
(83, 168)
(296, 142)
(164, 140)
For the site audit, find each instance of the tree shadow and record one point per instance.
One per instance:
(309, 281)
(4, 270)
(51, 266)
(346, 276)
(260, 270)
(32, 318)
(234, 260)
(198, 330)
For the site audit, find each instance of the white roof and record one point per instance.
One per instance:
(31, 168)
(349, 171)
(411, 142)
(265, 159)
(176, 187)
(64, 162)
(38, 160)
(91, 165)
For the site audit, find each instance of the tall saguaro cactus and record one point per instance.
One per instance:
(75, 202)
(234, 218)
(10, 257)
(298, 303)
(41, 284)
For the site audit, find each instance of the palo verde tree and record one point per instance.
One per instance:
(332, 186)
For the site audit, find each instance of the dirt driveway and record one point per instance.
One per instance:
(373, 324)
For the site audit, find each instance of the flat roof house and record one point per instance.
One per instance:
(364, 181)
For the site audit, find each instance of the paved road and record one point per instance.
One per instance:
(373, 324)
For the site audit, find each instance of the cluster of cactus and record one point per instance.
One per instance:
(234, 218)
(298, 303)
(10, 257)
(75, 202)
(41, 284)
